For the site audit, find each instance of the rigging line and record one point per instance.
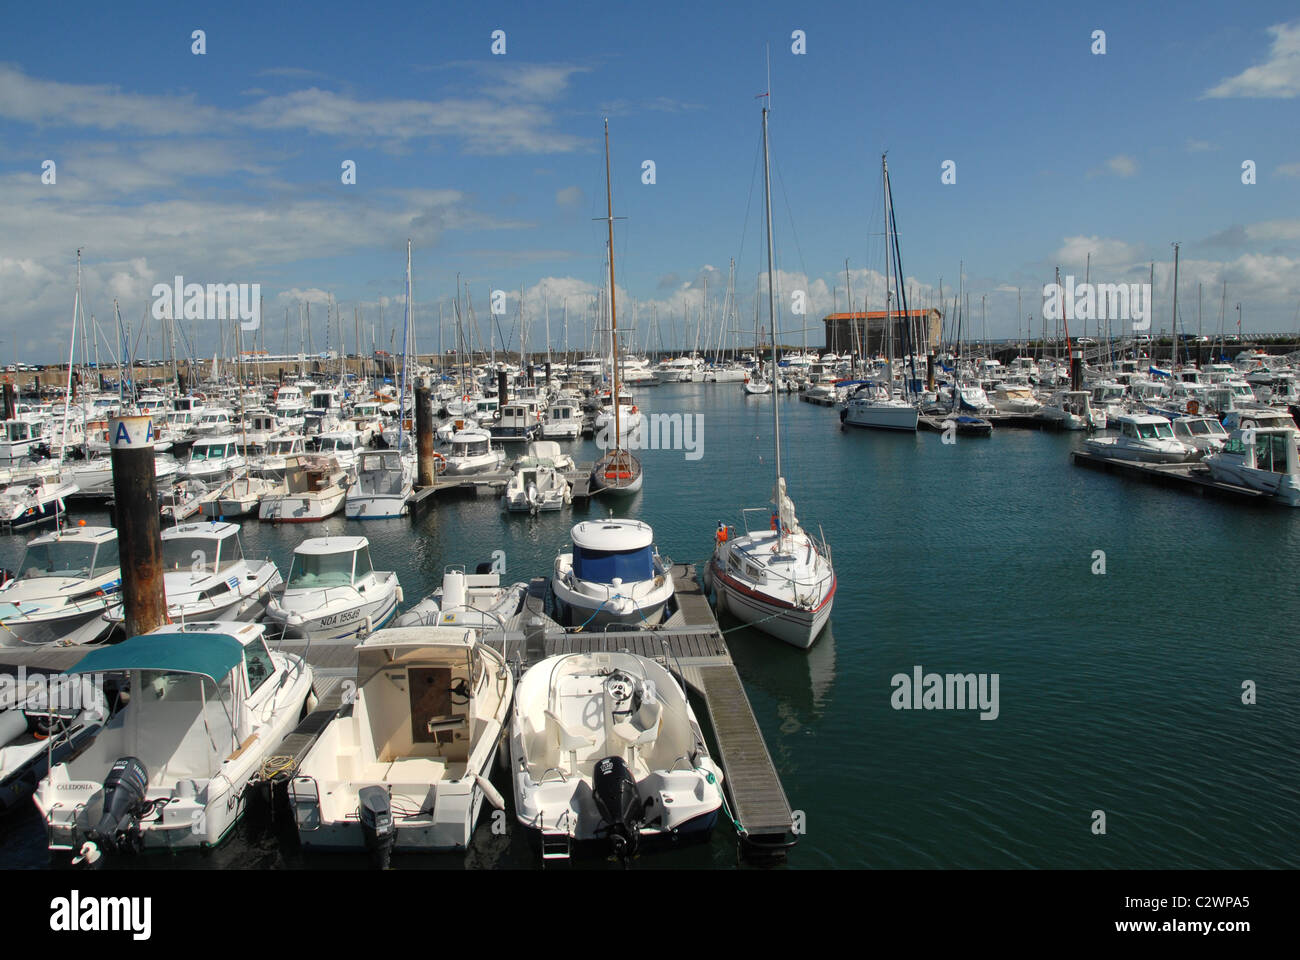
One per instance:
(790, 213)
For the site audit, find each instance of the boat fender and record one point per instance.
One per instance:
(490, 793)
(400, 598)
(366, 628)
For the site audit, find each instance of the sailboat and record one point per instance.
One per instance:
(779, 580)
(617, 471)
(874, 404)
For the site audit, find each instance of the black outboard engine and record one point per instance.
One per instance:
(118, 830)
(619, 804)
(376, 812)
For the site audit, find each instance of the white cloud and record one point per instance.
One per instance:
(1278, 76)
(568, 197)
(1288, 170)
(1122, 165)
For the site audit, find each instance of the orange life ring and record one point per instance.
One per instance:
(466, 398)
(1193, 406)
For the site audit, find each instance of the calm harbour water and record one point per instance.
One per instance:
(1118, 692)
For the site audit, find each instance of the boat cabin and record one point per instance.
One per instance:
(329, 562)
(201, 548)
(609, 552)
(81, 553)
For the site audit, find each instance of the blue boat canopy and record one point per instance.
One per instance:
(211, 655)
(603, 566)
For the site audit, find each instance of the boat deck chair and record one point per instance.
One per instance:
(566, 739)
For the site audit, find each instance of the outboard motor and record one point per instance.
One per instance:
(118, 830)
(619, 804)
(376, 811)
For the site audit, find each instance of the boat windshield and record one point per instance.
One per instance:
(1155, 431)
(61, 558)
(198, 554)
(604, 566)
(314, 570)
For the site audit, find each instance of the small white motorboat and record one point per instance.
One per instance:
(183, 500)
(313, 488)
(276, 454)
(383, 487)
(214, 459)
(475, 600)
(408, 767)
(333, 592)
(209, 703)
(538, 482)
(1260, 458)
(65, 584)
(612, 575)
(563, 421)
(238, 497)
(1205, 434)
(605, 747)
(207, 577)
(472, 453)
(1143, 437)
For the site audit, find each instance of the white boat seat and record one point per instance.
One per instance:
(641, 727)
(560, 735)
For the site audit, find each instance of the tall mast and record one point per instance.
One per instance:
(889, 315)
(1173, 343)
(771, 310)
(401, 400)
(613, 318)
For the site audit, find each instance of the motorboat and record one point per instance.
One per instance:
(606, 752)
(536, 486)
(1012, 397)
(209, 703)
(207, 577)
(237, 497)
(1143, 437)
(64, 585)
(472, 453)
(94, 478)
(313, 489)
(22, 437)
(33, 502)
(44, 719)
(183, 500)
(1204, 434)
(516, 423)
(343, 445)
(276, 454)
(333, 592)
(613, 574)
(1262, 459)
(563, 421)
(474, 600)
(408, 767)
(1072, 410)
(214, 459)
(383, 487)
(779, 579)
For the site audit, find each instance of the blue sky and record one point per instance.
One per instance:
(225, 167)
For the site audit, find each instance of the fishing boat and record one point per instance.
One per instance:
(383, 487)
(616, 472)
(1145, 438)
(407, 768)
(471, 452)
(64, 585)
(535, 486)
(23, 436)
(606, 752)
(43, 722)
(33, 502)
(313, 489)
(209, 703)
(475, 600)
(214, 459)
(334, 592)
(612, 575)
(562, 422)
(1204, 434)
(1262, 459)
(779, 580)
(207, 577)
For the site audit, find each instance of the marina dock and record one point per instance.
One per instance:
(690, 644)
(1190, 477)
(494, 484)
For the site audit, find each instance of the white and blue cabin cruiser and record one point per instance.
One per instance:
(613, 575)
